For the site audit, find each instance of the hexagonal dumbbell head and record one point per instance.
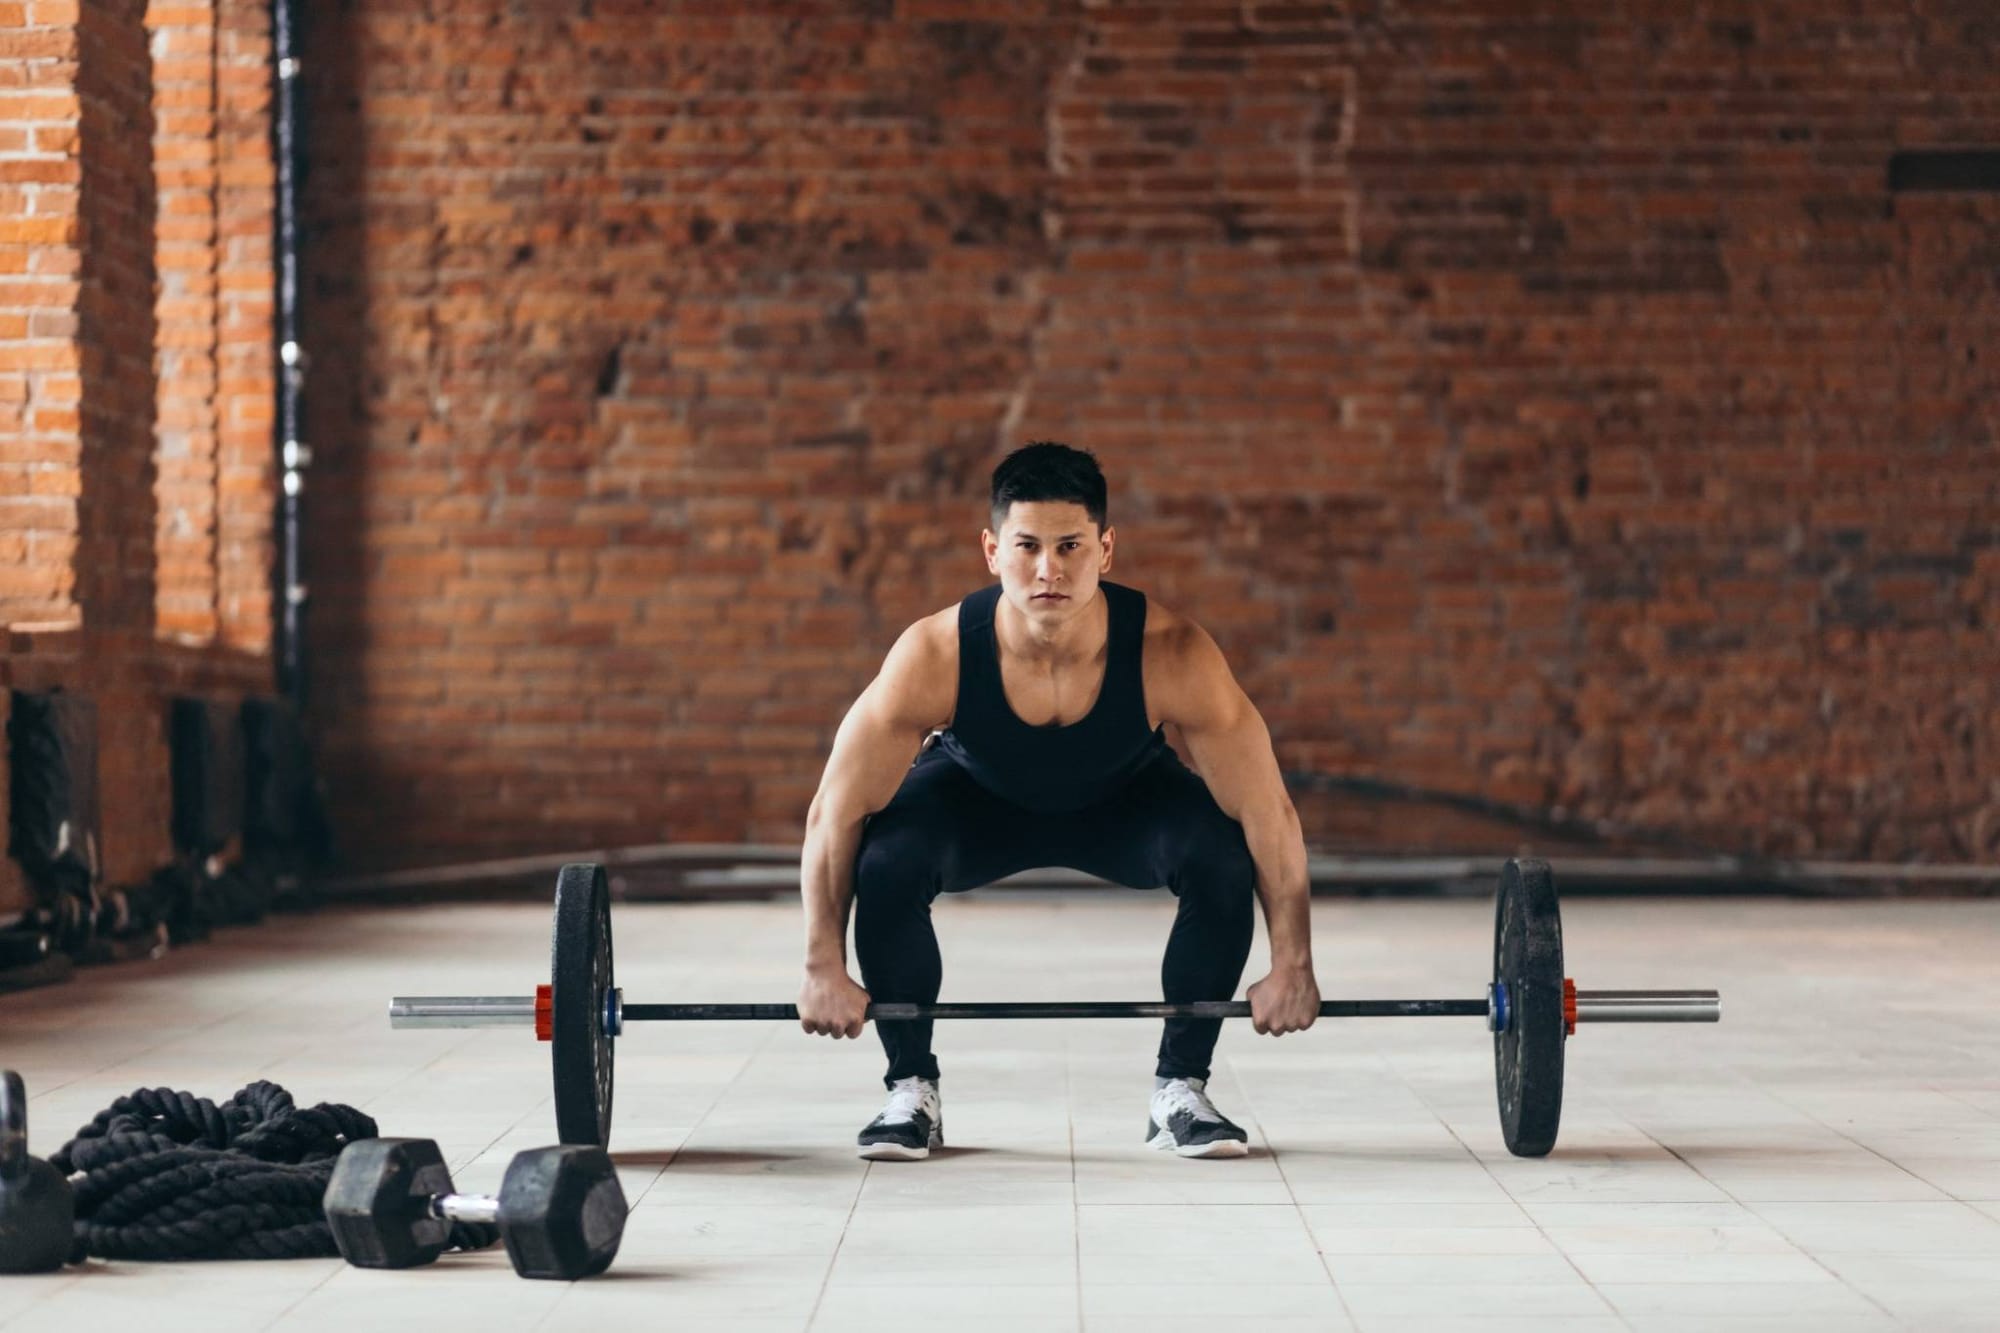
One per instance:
(378, 1203)
(562, 1212)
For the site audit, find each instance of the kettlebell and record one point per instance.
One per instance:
(37, 1209)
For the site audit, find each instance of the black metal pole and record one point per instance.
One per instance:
(683, 1013)
(293, 454)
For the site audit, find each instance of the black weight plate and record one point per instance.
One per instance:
(1528, 960)
(580, 979)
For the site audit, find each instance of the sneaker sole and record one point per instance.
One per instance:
(899, 1152)
(1214, 1148)
(893, 1152)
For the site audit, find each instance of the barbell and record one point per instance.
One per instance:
(1530, 1007)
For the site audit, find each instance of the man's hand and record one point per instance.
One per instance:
(1284, 1001)
(832, 1005)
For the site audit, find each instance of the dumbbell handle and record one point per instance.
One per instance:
(475, 1208)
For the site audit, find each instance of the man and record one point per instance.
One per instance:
(1047, 697)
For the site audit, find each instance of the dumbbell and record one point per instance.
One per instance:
(560, 1210)
(37, 1208)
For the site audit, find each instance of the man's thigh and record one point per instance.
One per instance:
(941, 820)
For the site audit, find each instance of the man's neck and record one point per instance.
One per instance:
(1079, 640)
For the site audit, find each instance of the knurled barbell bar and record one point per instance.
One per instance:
(1530, 1007)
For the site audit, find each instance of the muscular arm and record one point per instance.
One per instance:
(871, 751)
(1231, 749)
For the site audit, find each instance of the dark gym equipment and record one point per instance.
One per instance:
(205, 750)
(581, 1028)
(561, 1211)
(1530, 1007)
(37, 1208)
(1528, 971)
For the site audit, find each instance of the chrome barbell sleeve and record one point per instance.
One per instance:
(462, 1011)
(1648, 1006)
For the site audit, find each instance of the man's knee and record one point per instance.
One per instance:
(898, 861)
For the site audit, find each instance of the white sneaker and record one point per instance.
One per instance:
(1182, 1120)
(911, 1123)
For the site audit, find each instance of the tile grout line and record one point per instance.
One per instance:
(826, 1278)
(702, 1119)
(633, 1206)
(1837, 1133)
(1960, 1099)
(304, 1296)
(1075, 1210)
(1500, 1185)
(55, 1289)
(1278, 1161)
(1751, 1208)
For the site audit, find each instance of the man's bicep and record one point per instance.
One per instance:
(869, 755)
(1237, 763)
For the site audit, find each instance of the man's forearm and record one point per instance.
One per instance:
(1278, 847)
(826, 889)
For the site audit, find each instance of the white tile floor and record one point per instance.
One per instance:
(1828, 1158)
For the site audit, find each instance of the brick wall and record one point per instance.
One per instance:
(1545, 402)
(135, 381)
(189, 155)
(211, 92)
(38, 294)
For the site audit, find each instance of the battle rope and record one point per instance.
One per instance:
(161, 1174)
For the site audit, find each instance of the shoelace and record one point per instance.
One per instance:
(1187, 1095)
(906, 1098)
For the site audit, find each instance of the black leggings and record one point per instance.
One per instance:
(944, 833)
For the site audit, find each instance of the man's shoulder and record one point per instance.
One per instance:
(938, 630)
(921, 671)
(931, 642)
(1169, 634)
(1185, 672)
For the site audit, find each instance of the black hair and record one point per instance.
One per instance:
(1046, 470)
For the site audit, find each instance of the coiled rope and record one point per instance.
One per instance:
(161, 1174)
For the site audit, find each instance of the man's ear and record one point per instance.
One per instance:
(1109, 536)
(990, 546)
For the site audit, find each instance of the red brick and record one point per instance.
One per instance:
(1555, 483)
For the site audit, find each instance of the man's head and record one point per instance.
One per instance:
(1050, 541)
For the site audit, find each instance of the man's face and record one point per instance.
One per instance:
(1049, 556)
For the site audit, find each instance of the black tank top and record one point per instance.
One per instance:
(1052, 768)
